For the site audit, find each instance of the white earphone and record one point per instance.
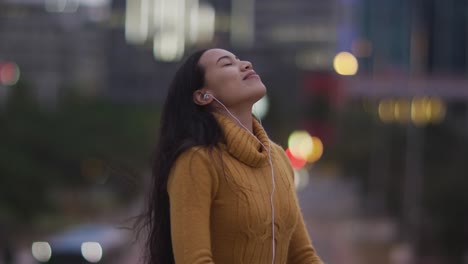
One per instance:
(273, 186)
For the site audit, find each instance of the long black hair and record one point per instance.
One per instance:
(184, 124)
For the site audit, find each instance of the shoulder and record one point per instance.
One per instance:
(194, 167)
(198, 156)
(276, 145)
(279, 150)
(197, 159)
(197, 152)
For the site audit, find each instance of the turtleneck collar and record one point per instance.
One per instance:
(241, 144)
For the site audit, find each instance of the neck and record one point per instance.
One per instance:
(244, 117)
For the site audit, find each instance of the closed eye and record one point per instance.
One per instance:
(229, 59)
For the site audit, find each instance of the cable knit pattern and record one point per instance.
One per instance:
(220, 203)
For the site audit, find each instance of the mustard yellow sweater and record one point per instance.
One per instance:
(220, 203)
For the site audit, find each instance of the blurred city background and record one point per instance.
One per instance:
(370, 97)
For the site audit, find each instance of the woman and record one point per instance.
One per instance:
(222, 191)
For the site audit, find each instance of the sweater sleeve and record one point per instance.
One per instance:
(192, 186)
(300, 249)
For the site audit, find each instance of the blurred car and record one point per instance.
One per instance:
(84, 244)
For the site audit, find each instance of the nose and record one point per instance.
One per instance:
(246, 65)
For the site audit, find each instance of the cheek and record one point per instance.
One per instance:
(217, 78)
(228, 77)
(223, 82)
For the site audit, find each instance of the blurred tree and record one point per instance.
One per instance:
(83, 145)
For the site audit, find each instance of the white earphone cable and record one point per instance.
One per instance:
(273, 187)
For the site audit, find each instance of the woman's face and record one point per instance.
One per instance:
(230, 80)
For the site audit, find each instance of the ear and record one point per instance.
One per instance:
(199, 98)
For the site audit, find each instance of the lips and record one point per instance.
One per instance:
(251, 73)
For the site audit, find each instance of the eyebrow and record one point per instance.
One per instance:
(226, 57)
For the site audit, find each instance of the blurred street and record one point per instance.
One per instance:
(369, 99)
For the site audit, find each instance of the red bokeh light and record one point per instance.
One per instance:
(9, 73)
(297, 163)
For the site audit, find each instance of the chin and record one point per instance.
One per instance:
(260, 93)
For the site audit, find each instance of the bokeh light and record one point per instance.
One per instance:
(418, 111)
(403, 110)
(297, 163)
(168, 46)
(345, 63)
(9, 73)
(301, 178)
(386, 110)
(205, 24)
(170, 26)
(304, 147)
(91, 251)
(41, 251)
(169, 21)
(137, 15)
(317, 150)
(260, 108)
(435, 110)
(300, 144)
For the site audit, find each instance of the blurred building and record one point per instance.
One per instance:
(412, 36)
(61, 44)
(134, 75)
(299, 33)
(423, 41)
(57, 45)
(80, 43)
